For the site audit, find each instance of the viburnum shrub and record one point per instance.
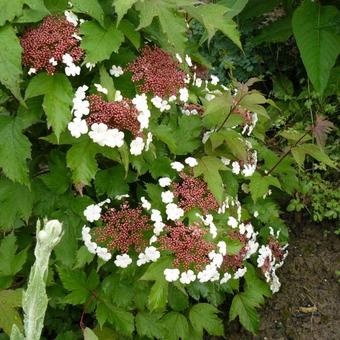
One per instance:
(158, 172)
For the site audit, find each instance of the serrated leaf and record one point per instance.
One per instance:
(81, 159)
(15, 149)
(177, 326)
(10, 10)
(319, 48)
(149, 325)
(89, 334)
(259, 185)
(129, 30)
(158, 296)
(98, 42)
(58, 93)
(209, 167)
(89, 7)
(9, 316)
(10, 59)
(107, 82)
(204, 316)
(10, 194)
(178, 300)
(122, 7)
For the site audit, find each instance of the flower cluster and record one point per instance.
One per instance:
(55, 41)
(107, 122)
(157, 72)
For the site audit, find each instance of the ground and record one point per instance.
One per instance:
(308, 304)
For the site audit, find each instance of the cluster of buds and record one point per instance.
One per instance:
(54, 42)
(107, 123)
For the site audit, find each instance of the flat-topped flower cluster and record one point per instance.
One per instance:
(197, 244)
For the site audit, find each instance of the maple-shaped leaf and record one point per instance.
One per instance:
(321, 128)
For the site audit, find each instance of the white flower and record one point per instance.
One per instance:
(101, 89)
(141, 102)
(120, 197)
(264, 253)
(145, 203)
(116, 71)
(71, 17)
(98, 133)
(226, 278)
(158, 227)
(167, 196)
(91, 246)
(171, 275)
(173, 212)
(240, 272)
(209, 273)
(216, 258)
(81, 92)
(236, 167)
(32, 70)
(137, 146)
(179, 58)
(187, 277)
(67, 59)
(76, 36)
(114, 138)
(92, 212)
(72, 70)
(188, 60)
(198, 82)
(225, 161)
(153, 239)
(103, 253)
(214, 80)
(183, 94)
(53, 62)
(275, 283)
(85, 233)
(118, 96)
(256, 213)
(191, 161)
(209, 97)
(160, 103)
(206, 136)
(177, 166)
(164, 181)
(248, 170)
(152, 253)
(232, 221)
(252, 248)
(80, 107)
(156, 215)
(123, 260)
(77, 127)
(90, 66)
(142, 259)
(222, 247)
(172, 98)
(143, 119)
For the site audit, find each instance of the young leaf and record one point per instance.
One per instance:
(321, 128)
(10, 194)
(204, 316)
(319, 47)
(10, 57)
(99, 42)
(15, 149)
(58, 94)
(9, 316)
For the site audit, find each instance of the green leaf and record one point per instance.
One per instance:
(11, 261)
(10, 194)
(122, 6)
(129, 30)
(107, 82)
(10, 59)
(149, 325)
(35, 12)
(158, 296)
(98, 42)
(319, 48)
(235, 6)
(89, 7)
(246, 312)
(15, 149)
(259, 185)
(10, 10)
(213, 18)
(178, 299)
(279, 31)
(58, 94)
(299, 153)
(111, 182)
(89, 334)
(81, 159)
(204, 316)
(209, 167)
(177, 326)
(9, 316)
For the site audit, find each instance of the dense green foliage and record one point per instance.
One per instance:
(268, 56)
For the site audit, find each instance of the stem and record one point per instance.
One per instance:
(287, 153)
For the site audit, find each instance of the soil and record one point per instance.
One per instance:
(308, 304)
